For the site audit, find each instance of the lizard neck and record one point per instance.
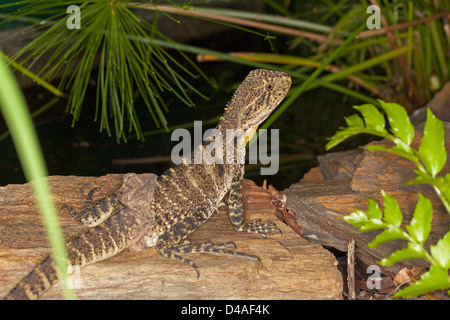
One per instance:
(232, 133)
(231, 120)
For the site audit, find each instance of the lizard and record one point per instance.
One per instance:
(176, 203)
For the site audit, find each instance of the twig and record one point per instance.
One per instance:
(401, 26)
(274, 58)
(401, 61)
(243, 22)
(396, 289)
(146, 160)
(351, 269)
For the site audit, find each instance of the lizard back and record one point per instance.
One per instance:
(187, 194)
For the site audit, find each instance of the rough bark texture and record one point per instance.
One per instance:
(344, 181)
(292, 268)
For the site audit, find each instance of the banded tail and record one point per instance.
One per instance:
(36, 283)
(97, 244)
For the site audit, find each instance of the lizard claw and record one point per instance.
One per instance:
(260, 228)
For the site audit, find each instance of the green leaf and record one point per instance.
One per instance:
(131, 62)
(446, 186)
(444, 182)
(432, 149)
(399, 121)
(413, 251)
(345, 133)
(361, 220)
(420, 225)
(374, 124)
(376, 147)
(354, 121)
(372, 117)
(391, 233)
(338, 138)
(434, 279)
(372, 224)
(422, 178)
(14, 109)
(392, 214)
(373, 210)
(357, 218)
(403, 147)
(441, 252)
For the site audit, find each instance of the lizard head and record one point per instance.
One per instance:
(258, 95)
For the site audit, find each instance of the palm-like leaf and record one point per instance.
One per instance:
(108, 31)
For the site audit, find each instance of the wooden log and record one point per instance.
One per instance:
(292, 268)
(343, 182)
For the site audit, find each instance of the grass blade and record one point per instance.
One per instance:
(15, 112)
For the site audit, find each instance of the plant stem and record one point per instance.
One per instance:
(33, 76)
(238, 21)
(264, 17)
(401, 26)
(443, 198)
(414, 280)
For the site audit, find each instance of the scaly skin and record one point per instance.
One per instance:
(185, 196)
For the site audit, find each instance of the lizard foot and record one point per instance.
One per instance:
(95, 211)
(174, 252)
(258, 227)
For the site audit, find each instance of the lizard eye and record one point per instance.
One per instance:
(269, 87)
(253, 107)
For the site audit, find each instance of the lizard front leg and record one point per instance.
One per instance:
(95, 212)
(236, 210)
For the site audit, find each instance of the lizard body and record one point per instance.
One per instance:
(184, 197)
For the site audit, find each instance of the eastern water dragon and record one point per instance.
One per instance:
(176, 203)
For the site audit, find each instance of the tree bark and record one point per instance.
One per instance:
(292, 268)
(343, 182)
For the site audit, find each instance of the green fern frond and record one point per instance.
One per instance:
(124, 65)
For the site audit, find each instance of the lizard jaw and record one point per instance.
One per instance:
(249, 134)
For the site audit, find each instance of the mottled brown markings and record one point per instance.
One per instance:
(239, 114)
(185, 196)
(40, 279)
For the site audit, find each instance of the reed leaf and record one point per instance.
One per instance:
(124, 66)
(18, 119)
